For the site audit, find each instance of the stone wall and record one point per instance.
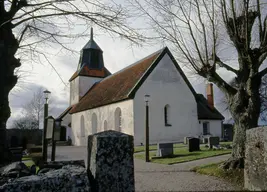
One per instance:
(69, 178)
(255, 173)
(20, 137)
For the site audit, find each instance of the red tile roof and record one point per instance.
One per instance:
(85, 71)
(116, 87)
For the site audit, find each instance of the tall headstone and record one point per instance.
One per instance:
(255, 174)
(110, 162)
(193, 144)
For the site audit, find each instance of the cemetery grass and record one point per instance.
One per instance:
(183, 155)
(233, 176)
(138, 149)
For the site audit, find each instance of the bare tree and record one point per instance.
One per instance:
(218, 40)
(35, 107)
(26, 123)
(29, 26)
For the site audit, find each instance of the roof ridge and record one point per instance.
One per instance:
(133, 64)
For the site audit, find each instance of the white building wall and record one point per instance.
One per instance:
(103, 113)
(85, 83)
(165, 86)
(74, 91)
(79, 86)
(215, 127)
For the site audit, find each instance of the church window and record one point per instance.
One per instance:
(167, 115)
(206, 128)
(82, 127)
(118, 119)
(94, 123)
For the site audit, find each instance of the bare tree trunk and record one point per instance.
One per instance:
(8, 48)
(245, 112)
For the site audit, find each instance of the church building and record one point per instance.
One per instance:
(101, 101)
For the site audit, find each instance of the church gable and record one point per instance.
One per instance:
(164, 74)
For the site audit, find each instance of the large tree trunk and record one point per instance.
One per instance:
(8, 63)
(245, 110)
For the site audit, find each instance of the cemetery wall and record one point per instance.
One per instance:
(21, 136)
(255, 174)
(165, 86)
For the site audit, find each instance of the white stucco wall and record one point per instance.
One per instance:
(165, 86)
(103, 113)
(74, 91)
(79, 86)
(215, 127)
(85, 83)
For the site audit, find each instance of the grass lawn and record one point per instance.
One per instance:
(181, 154)
(28, 160)
(177, 145)
(236, 177)
(154, 147)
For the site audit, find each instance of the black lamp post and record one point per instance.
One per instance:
(46, 93)
(147, 128)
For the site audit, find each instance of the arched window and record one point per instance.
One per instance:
(105, 125)
(118, 119)
(94, 123)
(82, 127)
(167, 115)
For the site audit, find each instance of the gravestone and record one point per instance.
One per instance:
(186, 140)
(255, 174)
(164, 149)
(213, 141)
(110, 162)
(193, 144)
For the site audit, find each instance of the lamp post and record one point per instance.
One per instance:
(46, 94)
(147, 128)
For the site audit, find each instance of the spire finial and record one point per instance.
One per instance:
(92, 33)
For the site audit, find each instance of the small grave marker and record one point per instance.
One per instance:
(165, 149)
(213, 141)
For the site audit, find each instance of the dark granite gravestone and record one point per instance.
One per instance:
(110, 162)
(213, 141)
(193, 144)
(165, 149)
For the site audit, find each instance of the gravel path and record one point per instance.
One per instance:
(158, 177)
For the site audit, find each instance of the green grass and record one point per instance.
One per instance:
(28, 160)
(233, 176)
(181, 154)
(154, 147)
(138, 149)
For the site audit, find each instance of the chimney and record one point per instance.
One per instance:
(209, 92)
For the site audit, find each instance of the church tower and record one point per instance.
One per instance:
(90, 70)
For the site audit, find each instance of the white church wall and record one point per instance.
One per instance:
(215, 127)
(85, 83)
(105, 116)
(79, 86)
(74, 91)
(66, 120)
(165, 86)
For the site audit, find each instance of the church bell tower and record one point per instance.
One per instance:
(90, 70)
